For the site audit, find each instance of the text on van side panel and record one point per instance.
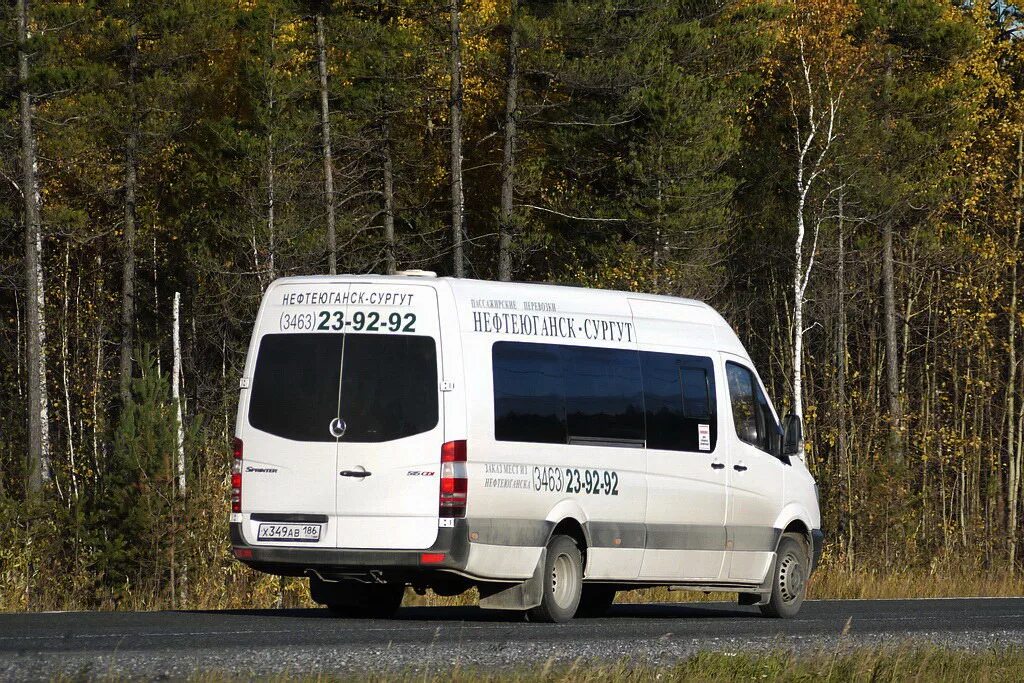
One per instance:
(558, 326)
(346, 298)
(360, 321)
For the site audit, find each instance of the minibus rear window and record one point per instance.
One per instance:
(295, 386)
(389, 386)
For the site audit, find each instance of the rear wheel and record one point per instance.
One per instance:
(355, 599)
(563, 582)
(789, 583)
(595, 600)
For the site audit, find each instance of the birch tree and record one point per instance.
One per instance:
(1013, 451)
(814, 106)
(176, 394)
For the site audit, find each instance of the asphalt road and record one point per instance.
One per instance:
(253, 642)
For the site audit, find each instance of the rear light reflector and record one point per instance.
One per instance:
(431, 558)
(454, 484)
(243, 553)
(236, 476)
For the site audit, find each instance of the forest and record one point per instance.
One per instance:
(842, 179)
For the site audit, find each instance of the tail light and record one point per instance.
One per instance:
(453, 480)
(236, 476)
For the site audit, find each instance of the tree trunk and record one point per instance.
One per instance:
(798, 313)
(505, 226)
(325, 134)
(271, 187)
(809, 165)
(840, 407)
(889, 298)
(389, 204)
(176, 392)
(64, 353)
(38, 398)
(271, 268)
(1013, 455)
(891, 364)
(128, 241)
(458, 269)
(156, 303)
(97, 428)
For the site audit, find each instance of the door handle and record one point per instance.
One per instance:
(718, 465)
(740, 468)
(355, 473)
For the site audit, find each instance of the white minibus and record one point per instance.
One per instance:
(547, 445)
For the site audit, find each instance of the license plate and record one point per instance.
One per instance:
(304, 533)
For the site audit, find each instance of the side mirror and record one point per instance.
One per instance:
(793, 436)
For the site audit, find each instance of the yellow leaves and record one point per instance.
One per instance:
(630, 268)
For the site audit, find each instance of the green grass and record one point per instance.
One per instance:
(869, 665)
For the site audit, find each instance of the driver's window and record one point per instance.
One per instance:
(751, 414)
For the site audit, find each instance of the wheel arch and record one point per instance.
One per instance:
(795, 519)
(568, 518)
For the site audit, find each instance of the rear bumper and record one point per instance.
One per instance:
(451, 542)
(817, 542)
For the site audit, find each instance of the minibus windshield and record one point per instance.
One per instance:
(388, 386)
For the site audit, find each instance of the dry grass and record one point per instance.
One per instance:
(874, 665)
(828, 583)
(839, 584)
(230, 585)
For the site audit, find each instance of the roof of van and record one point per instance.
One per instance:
(461, 283)
(463, 288)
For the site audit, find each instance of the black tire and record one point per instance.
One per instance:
(354, 599)
(563, 582)
(790, 572)
(595, 600)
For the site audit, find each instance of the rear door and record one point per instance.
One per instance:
(289, 473)
(388, 464)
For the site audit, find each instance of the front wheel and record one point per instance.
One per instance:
(789, 582)
(563, 582)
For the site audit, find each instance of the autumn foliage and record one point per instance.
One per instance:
(658, 148)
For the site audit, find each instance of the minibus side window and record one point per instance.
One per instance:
(551, 393)
(529, 401)
(696, 385)
(603, 394)
(750, 411)
(679, 395)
